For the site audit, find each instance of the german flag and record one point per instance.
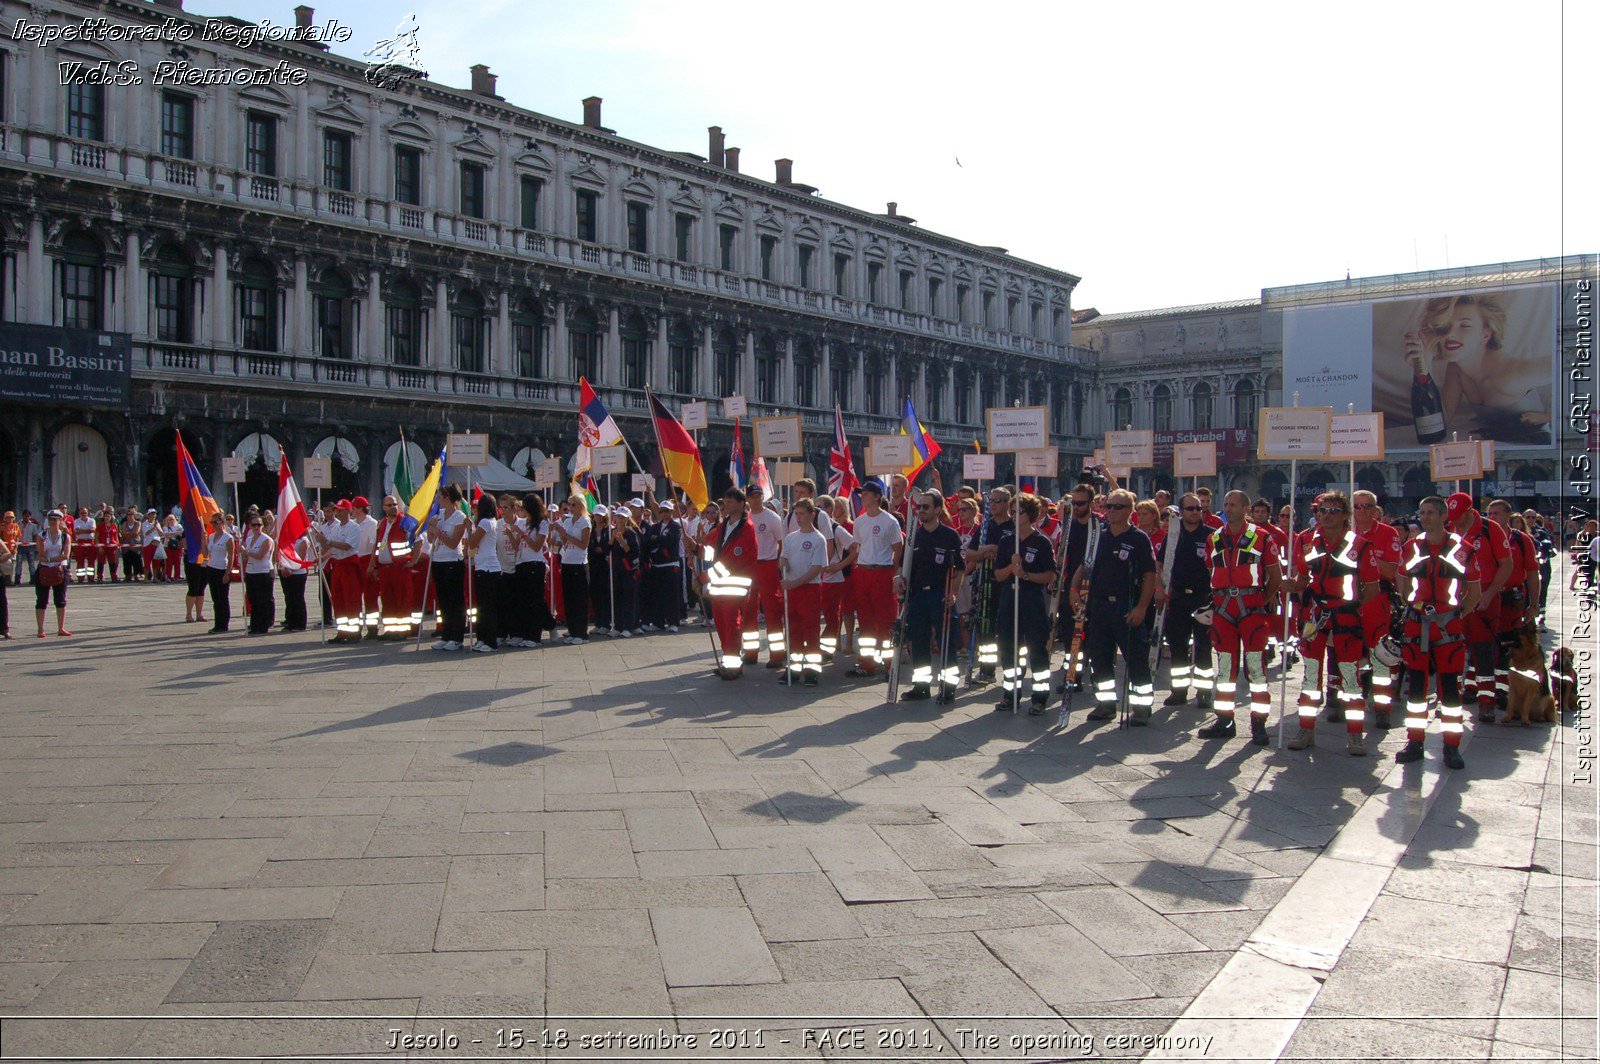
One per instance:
(680, 458)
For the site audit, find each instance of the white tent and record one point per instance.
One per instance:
(492, 477)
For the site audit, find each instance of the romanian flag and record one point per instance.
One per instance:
(924, 448)
(425, 500)
(679, 456)
(736, 466)
(198, 506)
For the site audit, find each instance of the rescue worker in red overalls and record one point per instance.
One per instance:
(1439, 587)
(729, 551)
(390, 568)
(338, 540)
(83, 546)
(366, 549)
(108, 541)
(767, 525)
(1377, 613)
(1519, 599)
(1337, 571)
(1245, 574)
(1491, 559)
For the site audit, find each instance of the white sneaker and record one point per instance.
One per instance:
(482, 648)
(441, 645)
(578, 642)
(452, 645)
(601, 630)
(624, 633)
(672, 628)
(648, 628)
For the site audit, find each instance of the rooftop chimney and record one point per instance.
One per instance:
(483, 82)
(717, 141)
(730, 159)
(785, 171)
(591, 112)
(176, 5)
(893, 209)
(302, 17)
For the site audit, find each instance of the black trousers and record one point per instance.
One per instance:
(1032, 630)
(924, 623)
(626, 590)
(323, 584)
(575, 596)
(221, 609)
(599, 594)
(450, 578)
(294, 601)
(1544, 584)
(5, 608)
(258, 593)
(1105, 633)
(489, 596)
(1182, 631)
(661, 596)
(527, 615)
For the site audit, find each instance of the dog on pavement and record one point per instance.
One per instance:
(1530, 697)
(1564, 681)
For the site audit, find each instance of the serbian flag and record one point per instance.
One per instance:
(924, 448)
(842, 482)
(595, 426)
(198, 506)
(293, 521)
(680, 458)
(736, 465)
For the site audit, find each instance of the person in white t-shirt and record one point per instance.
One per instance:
(488, 589)
(804, 558)
(258, 550)
(527, 613)
(768, 525)
(366, 550)
(570, 535)
(449, 571)
(879, 538)
(835, 588)
(219, 553)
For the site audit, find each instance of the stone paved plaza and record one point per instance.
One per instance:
(235, 847)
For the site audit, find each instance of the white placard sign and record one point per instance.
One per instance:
(1099, 457)
(643, 482)
(1044, 462)
(468, 449)
(233, 470)
(1122, 473)
(735, 406)
(548, 473)
(1456, 461)
(1486, 456)
(887, 454)
(785, 473)
(317, 474)
(1356, 437)
(778, 437)
(1287, 432)
(977, 467)
(1017, 428)
(1197, 459)
(1130, 448)
(696, 415)
(610, 459)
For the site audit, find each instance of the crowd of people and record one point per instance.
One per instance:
(1421, 610)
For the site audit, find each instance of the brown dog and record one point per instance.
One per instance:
(1564, 681)
(1530, 683)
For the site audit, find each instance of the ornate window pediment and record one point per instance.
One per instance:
(265, 96)
(477, 149)
(687, 200)
(341, 112)
(407, 130)
(587, 175)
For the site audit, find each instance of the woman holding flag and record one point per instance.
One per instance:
(449, 571)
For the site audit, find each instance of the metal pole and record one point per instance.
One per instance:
(611, 545)
(472, 629)
(322, 589)
(1352, 409)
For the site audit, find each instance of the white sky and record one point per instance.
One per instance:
(1167, 153)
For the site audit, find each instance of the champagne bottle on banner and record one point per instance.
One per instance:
(1427, 406)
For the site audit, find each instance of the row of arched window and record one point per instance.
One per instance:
(1245, 400)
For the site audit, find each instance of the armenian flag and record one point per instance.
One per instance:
(924, 448)
(680, 457)
(198, 506)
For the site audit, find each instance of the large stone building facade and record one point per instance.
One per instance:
(314, 264)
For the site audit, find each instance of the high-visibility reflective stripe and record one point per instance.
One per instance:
(829, 645)
(1142, 695)
(1180, 675)
(1452, 727)
(730, 661)
(922, 674)
(950, 675)
(1226, 690)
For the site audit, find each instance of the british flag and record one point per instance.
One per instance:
(842, 482)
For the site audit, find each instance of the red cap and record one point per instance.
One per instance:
(361, 502)
(1457, 505)
(342, 504)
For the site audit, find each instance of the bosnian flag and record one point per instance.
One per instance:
(842, 482)
(736, 466)
(293, 521)
(595, 426)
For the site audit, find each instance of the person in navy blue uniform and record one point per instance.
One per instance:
(1118, 589)
(1024, 566)
(935, 554)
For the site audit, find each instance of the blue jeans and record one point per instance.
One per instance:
(30, 556)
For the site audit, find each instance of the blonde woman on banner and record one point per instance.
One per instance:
(1462, 341)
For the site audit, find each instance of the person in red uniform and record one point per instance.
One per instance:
(366, 549)
(83, 546)
(730, 567)
(1336, 570)
(390, 567)
(108, 541)
(1384, 541)
(338, 540)
(879, 540)
(1439, 587)
(1245, 574)
(1491, 559)
(767, 524)
(1519, 599)
(1209, 517)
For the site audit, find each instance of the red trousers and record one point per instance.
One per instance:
(397, 597)
(833, 607)
(805, 625)
(345, 581)
(733, 617)
(371, 594)
(769, 596)
(875, 614)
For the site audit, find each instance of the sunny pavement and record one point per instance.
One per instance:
(196, 826)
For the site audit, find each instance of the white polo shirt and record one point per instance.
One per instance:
(802, 551)
(769, 533)
(878, 537)
(447, 524)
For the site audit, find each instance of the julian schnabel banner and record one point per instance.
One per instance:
(1481, 364)
(79, 367)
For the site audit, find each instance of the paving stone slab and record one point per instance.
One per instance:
(711, 947)
(797, 907)
(674, 892)
(251, 961)
(1062, 966)
(1119, 923)
(509, 973)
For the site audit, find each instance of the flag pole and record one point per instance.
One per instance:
(705, 599)
(1288, 605)
(472, 628)
(322, 579)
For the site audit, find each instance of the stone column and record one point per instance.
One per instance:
(788, 394)
(611, 356)
(135, 290)
(372, 323)
(747, 366)
(858, 375)
(661, 358)
(221, 329)
(439, 329)
(708, 362)
(561, 348)
(36, 288)
(300, 325)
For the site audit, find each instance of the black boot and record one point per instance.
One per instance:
(1204, 700)
(1452, 757)
(1178, 697)
(1258, 731)
(1412, 751)
(1221, 728)
(1036, 706)
(918, 692)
